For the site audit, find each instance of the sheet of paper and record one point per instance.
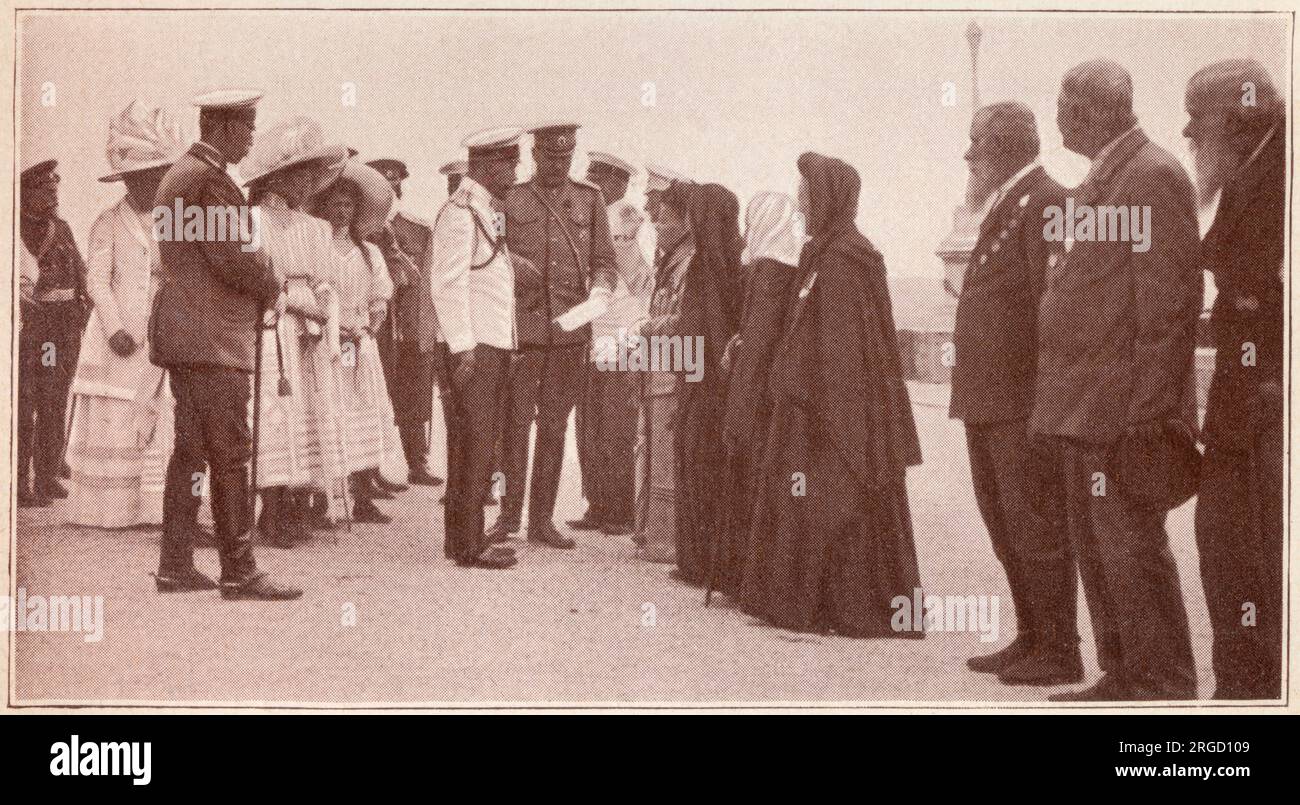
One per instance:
(583, 313)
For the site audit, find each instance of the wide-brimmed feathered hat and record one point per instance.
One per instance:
(288, 143)
(376, 200)
(140, 138)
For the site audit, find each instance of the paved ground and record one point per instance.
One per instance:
(561, 627)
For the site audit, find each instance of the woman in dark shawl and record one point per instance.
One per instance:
(710, 313)
(773, 241)
(831, 542)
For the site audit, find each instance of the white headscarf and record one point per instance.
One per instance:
(772, 230)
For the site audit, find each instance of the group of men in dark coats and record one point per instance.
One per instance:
(1075, 378)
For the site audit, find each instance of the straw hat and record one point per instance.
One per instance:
(376, 200)
(141, 137)
(288, 143)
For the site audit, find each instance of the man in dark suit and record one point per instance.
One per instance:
(1239, 143)
(203, 329)
(992, 393)
(560, 226)
(1116, 342)
(408, 369)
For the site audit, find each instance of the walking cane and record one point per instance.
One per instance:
(257, 412)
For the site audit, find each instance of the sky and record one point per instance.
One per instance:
(736, 96)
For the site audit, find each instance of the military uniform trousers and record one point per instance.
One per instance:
(47, 355)
(1239, 535)
(1129, 578)
(1022, 503)
(606, 426)
(471, 431)
(409, 373)
(546, 385)
(211, 427)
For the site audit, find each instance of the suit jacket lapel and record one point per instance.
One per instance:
(1094, 188)
(1242, 186)
(1011, 200)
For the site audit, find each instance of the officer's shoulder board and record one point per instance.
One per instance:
(586, 184)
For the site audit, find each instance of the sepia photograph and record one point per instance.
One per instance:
(676, 358)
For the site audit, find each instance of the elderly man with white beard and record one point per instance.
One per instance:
(1236, 133)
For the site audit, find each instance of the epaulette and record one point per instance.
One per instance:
(585, 183)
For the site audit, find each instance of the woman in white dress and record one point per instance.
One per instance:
(356, 206)
(121, 428)
(300, 439)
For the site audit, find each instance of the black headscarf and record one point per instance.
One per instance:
(711, 298)
(859, 377)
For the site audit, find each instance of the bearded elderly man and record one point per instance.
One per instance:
(1114, 391)
(1237, 135)
(993, 391)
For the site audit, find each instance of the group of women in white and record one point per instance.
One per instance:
(326, 441)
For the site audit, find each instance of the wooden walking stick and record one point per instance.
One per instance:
(257, 412)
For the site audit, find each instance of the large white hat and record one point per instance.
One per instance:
(376, 200)
(142, 137)
(291, 142)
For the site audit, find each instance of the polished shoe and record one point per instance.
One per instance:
(587, 522)
(995, 662)
(187, 582)
(376, 488)
(364, 511)
(258, 588)
(30, 500)
(616, 529)
(1109, 688)
(493, 559)
(1045, 666)
(422, 477)
(502, 529)
(546, 534)
(51, 488)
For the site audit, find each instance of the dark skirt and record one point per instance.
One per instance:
(700, 464)
(735, 511)
(833, 558)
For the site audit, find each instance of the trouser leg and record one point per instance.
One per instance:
(28, 395)
(1081, 482)
(476, 405)
(1031, 501)
(618, 420)
(521, 410)
(1140, 578)
(560, 389)
(1237, 571)
(223, 412)
(998, 521)
(587, 423)
(183, 490)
